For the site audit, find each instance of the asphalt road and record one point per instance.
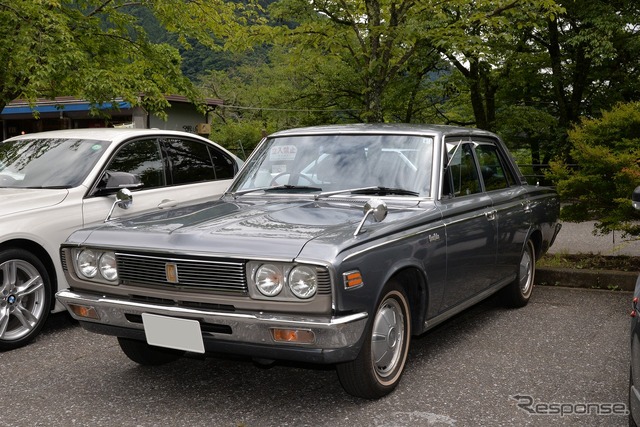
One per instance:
(579, 238)
(566, 349)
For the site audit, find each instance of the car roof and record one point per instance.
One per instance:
(382, 128)
(102, 134)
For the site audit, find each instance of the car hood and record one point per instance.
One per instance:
(18, 200)
(253, 229)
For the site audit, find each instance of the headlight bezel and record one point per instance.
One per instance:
(285, 272)
(95, 265)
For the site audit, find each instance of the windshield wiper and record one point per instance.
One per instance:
(48, 187)
(293, 187)
(370, 190)
(276, 188)
(382, 191)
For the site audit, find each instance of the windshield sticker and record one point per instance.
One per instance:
(283, 153)
(96, 147)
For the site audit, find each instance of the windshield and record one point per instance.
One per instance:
(48, 163)
(340, 162)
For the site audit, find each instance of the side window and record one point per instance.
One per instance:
(194, 161)
(494, 173)
(189, 161)
(223, 165)
(141, 158)
(463, 179)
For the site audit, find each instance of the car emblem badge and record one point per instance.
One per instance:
(171, 272)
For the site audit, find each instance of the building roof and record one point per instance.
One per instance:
(68, 104)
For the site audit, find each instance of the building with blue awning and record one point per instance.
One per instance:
(19, 116)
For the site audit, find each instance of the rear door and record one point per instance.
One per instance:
(510, 203)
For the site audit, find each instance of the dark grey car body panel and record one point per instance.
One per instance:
(448, 252)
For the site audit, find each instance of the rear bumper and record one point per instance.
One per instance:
(337, 339)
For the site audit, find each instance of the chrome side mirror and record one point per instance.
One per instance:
(375, 207)
(124, 200)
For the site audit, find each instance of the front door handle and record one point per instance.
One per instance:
(491, 215)
(167, 203)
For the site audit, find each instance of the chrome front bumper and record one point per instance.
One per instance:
(336, 338)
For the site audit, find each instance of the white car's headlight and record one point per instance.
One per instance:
(303, 281)
(87, 263)
(269, 280)
(107, 266)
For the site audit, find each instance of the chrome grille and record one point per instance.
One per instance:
(223, 276)
(63, 259)
(324, 281)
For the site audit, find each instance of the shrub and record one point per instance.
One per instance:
(607, 152)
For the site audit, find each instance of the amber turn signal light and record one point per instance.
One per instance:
(352, 279)
(299, 336)
(84, 311)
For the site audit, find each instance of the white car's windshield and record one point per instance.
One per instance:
(394, 164)
(48, 163)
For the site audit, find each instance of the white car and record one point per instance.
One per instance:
(52, 183)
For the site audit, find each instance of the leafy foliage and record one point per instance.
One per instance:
(607, 152)
(97, 49)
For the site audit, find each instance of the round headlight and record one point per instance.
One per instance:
(107, 265)
(303, 282)
(269, 280)
(87, 263)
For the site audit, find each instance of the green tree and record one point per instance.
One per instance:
(482, 41)
(375, 61)
(97, 49)
(580, 63)
(607, 153)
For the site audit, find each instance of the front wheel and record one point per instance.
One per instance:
(148, 355)
(377, 370)
(25, 297)
(518, 292)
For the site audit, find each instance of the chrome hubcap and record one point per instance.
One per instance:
(387, 338)
(526, 272)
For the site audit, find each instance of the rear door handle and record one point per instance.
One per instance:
(491, 215)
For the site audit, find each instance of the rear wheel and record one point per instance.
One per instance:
(25, 297)
(518, 293)
(377, 370)
(148, 355)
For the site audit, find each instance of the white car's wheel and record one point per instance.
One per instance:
(25, 297)
(380, 364)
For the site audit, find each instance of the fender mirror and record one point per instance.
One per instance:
(376, 208)
(124, 200)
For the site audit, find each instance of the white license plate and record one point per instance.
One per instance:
(171, 332)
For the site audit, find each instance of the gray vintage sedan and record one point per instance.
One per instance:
(334, 244)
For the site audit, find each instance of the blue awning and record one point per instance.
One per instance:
(70, 107)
